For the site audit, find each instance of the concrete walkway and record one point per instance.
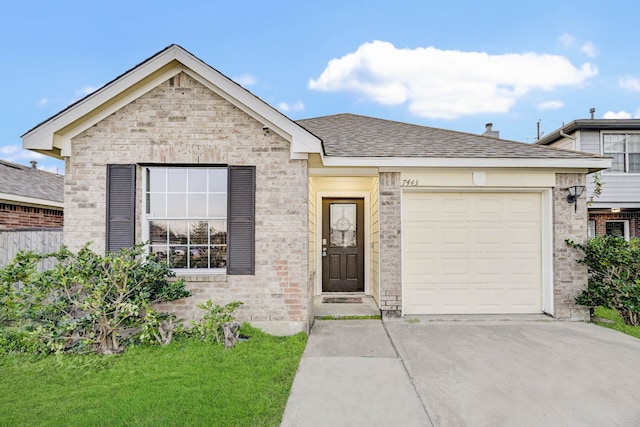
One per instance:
(465, 373)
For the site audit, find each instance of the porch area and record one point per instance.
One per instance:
(341, 305)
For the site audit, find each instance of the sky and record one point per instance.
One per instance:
(449, 64)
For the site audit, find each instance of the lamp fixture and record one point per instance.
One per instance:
(266, 130)
(615, 210)
(574, 194)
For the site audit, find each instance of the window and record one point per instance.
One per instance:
(591, 229)
(186, 216)
(617, 228)
(624, 149)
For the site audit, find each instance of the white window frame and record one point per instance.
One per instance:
(147, 217)
(626, 226)
(626, 153)
(591, 229)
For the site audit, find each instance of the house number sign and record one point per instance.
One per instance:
(410, 182)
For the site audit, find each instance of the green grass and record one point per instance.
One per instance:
(188, 383)
(616, 321)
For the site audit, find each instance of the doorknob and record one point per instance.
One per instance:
(324, 251)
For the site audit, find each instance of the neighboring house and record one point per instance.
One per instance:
(616, 211)
(249, 205)
(30, 198)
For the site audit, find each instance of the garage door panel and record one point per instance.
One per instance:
(472, 253)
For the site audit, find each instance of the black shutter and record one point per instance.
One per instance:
(241, 220)
(121, 197)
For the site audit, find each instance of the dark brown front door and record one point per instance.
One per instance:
(342, 245)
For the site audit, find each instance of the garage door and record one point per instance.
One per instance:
(471, 253)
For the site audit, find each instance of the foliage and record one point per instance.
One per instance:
(610, 318)
(84, 303)
(614, 275)
(209, 328)
(597, 188)
(186, 383)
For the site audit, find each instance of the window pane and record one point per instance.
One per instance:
(343, 224)
(197, 206)
(159, 253)
(615, 229)
(633, 146)
(197, 180)
(218, 230)
(218, 257)
(198, 257)
(177, 205)
(156, 180)
(218, 180)
(157, 205)
(217, 205)
(634, 163)
(178, 257)
(613, 147)
(176, 180)
(178, 232)
(617, 162)
(199, 233)
(157, 232)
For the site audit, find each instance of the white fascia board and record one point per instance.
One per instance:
(30, 200)
(400, 162)
(608, 205)
(343, 171)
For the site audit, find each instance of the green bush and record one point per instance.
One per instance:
(209, 328)
(614, 275)
(84, 303)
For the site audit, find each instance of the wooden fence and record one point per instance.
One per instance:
(39, 240)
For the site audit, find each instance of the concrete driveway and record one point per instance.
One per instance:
(514, 373)
(466, 373)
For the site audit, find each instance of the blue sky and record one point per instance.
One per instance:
(454, 65)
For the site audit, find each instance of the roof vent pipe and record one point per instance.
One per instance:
(34, 165)
(592, 111)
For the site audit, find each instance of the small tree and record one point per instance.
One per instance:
(614, 275)
(85, 301)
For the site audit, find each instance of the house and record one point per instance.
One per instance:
(616, 211)
(30, 198)
(248, 205)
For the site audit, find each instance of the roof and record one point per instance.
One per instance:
(350, 135)
(25, 184)
(589, 124)
(53, 136)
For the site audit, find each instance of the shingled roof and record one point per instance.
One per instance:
(350, 135)
(28, 182)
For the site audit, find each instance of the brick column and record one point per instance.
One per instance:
(390, 244)
(569, 277)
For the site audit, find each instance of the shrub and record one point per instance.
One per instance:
(84, 302)
(209, 328)
(614, 275)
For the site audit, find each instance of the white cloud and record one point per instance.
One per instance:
(589, 49)
(567, 40)
(550, 105)
(85, 91)
(286, 107)
(446, 84)
(245, 80)
(17, 154)
(629, 82)
(43, 102)
(618, 115)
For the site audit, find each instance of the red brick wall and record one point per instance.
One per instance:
(16, 217)
(601, 219)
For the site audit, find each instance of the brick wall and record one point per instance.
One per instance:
(601, 221)
(569, 277)
(390, 243)
(181, 121)
(15, 217)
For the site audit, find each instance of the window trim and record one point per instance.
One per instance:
(626, 152)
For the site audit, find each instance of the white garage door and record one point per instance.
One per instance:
(471, 253)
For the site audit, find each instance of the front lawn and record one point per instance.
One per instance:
(616, 321)
(188, 383)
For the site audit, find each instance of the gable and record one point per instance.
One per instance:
(53, 137)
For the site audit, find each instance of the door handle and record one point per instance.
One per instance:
(324, 251)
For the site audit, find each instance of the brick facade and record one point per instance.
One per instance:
(17, 217)
(390, 200)
(601, 221)
(182, 121)
(569, 277)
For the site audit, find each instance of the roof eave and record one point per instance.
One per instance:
(589, 124)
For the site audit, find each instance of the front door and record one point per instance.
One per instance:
(342, 245)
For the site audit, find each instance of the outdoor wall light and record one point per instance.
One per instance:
(574, 194)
